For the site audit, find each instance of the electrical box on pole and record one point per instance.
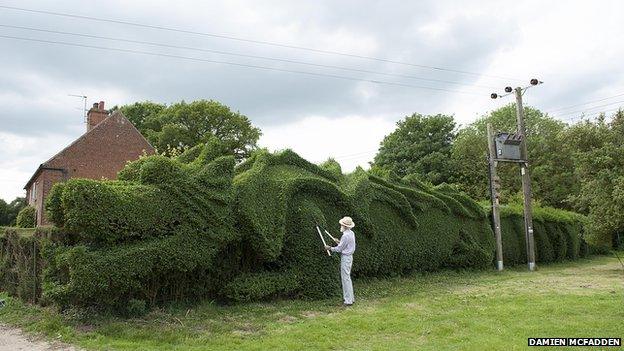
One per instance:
(508, 146)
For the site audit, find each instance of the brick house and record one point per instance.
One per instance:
(108, 144)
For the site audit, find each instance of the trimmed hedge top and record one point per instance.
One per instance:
(196, 225)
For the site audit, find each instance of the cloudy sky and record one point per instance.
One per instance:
(342, 111)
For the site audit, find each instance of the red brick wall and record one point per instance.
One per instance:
(100, 153)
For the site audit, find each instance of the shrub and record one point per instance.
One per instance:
(157, 270)
(20, 265)
(166, 197)
(136, 308)
(260, 286)
(27, 217)
(557, 235)
(54, 205)
(512, 234)
(195, 226)
(332, 166)
(280, 198)
(182, 230)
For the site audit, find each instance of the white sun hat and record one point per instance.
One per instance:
(347, 222)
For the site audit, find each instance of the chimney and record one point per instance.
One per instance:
(96, 114)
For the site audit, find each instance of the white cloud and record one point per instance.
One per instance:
(351, 140)
(574, 46)
(21, 155)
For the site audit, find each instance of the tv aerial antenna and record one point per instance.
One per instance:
(84, 109)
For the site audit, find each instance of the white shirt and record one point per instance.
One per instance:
(347, 243)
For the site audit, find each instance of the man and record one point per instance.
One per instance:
(346, 247)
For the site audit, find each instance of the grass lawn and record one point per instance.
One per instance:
(438, 311)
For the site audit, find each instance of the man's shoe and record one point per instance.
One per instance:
(347, 304)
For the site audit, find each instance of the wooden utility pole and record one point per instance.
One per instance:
(494, 197)
(526, 183)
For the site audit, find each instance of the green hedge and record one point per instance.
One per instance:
(20, 265)
(156, 270)
(259, 286)
(400, 227)
(27, 217)
(160, 197)
(21, 260)
(197, 226)
(558, 235)
(158, 233)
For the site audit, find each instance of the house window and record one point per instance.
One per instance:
(33, 192)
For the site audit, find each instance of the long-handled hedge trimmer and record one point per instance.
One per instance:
(334, 239)
(323, 240)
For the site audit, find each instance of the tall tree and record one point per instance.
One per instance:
(184, 125)
(598, 153)
(4, 213)
(141, 112)
(420, 145)
(8, 212)
(551, 165)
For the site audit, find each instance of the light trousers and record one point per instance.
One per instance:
(345, 274)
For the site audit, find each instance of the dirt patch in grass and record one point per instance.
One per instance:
(246, 329)
(288, 319)
(12, 339)
(310, 314)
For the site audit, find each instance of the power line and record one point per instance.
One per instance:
(356, 155)
(585, 103)
(605, 112)
(260, 42)
(357, 158)
(240, 55)
(591, 108)
(235, 64)
(592, 114)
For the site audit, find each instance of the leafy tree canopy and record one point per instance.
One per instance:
(183, 125)
(598, 153)
(4, 213)
(9, 211)
(550, 166)
(420, 145)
